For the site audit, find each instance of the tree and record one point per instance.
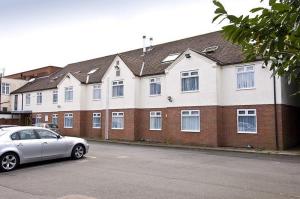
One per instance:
(269, 33)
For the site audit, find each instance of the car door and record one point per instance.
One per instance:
(29, 145)
(52, 146)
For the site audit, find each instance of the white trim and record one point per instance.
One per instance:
(94, 127)
(237, 120)
(193, 131)
(236, 76)
(112, 88)
(118, 116)
(71, 116)
(189, 76)
(151, 129)
(98, 88)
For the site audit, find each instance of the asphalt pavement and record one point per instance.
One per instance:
(118, 171)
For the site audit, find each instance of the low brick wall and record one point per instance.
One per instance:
(9, 121)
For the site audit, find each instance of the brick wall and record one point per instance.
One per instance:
(218, 126)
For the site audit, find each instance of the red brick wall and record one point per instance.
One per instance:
(9, 121)
(208, 127)
(218, 126)
(128, 133)
(143, 126)
(265, 137)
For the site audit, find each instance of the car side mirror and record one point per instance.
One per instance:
(58, 136)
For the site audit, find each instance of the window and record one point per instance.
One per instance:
(118, 88)
(69, 94)
(96, 120)
(27, 135)
(38, 119)
(171, 57)
(117, 120)
(96, 92)
(246, 119)
(155, 86)
(5, 88)
(44, 134)
(55, 119)
(245, 77)
(55, 97)
(27, 99)
(189, 81)
(15, 136)
(39, 98)
(190, 120)
(16, 102)
(68, 120)
(155, 120)
(118, 72)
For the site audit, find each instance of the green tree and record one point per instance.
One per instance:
(270, 33)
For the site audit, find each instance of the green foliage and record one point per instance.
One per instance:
(271, 34)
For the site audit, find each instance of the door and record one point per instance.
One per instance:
(29, 145)
(52, 146)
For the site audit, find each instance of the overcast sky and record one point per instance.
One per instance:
(37, 33)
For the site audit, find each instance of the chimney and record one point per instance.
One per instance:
(144, 44)
(151, 43)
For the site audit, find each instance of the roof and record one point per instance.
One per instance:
(38, 72)
(226, 54)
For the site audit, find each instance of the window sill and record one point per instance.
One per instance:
(39, 104)
(117, 128)
(196, 91)
(157, 95)
(96, 99)
(96, 127)
(67, 127)
(155, 129)
(191, 131)
(242, 89)
(68, 101)
(116, 97)
(246, 132)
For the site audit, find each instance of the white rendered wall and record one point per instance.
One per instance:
(13, 85)
(262, 93)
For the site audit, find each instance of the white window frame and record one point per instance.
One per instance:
(5, 88)
(27, 99)
(68, 115)
(244, 67)
(155, 80)
(155, 114)
(55, 92)
(96, 87)
(190, 112)
(36, 118)
(117, 115)
(39, 98)
(69, 92)
(246, 114)
(118, 84)
(56, 117)
(189, 76)
(96, 115)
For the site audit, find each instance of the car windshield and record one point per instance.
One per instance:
(53, 126)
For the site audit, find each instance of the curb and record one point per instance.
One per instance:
(225, 149)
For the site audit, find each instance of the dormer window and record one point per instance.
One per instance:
(171, 57)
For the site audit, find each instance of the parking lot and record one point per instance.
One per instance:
(123, 171)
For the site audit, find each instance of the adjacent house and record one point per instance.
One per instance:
(194, 91)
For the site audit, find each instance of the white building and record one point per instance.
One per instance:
(192, 91)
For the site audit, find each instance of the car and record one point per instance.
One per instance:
(20, 145)
(50, 126)
(6, 126)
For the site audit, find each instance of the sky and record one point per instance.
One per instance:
(38, 33)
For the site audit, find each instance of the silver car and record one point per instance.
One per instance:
(19, 145)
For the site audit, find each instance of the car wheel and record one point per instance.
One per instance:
(9, 161)
(78, 152)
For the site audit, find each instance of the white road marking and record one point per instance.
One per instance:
(91, 157)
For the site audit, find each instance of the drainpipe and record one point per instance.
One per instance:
(106, 110)
(275, 110)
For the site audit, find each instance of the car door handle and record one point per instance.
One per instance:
(45, 142)
(20, 144)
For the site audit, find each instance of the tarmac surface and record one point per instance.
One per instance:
(128, 172)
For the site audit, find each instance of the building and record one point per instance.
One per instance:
(35, 73)
(12, 82)
(194, 91)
